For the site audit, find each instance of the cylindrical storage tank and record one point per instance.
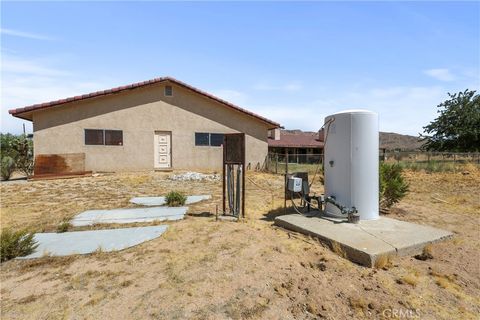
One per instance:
(351, 162)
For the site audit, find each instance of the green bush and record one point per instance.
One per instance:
(16, 244)
(7, 167)
(24, 158)
(63, 227)
(393, 186)
(175, 199)
(20, 149)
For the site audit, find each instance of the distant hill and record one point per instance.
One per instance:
(396, 141)
(388, 140)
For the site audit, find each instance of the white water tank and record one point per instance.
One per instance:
(351, 162)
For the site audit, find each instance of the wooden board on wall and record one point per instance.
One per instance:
(67, 163)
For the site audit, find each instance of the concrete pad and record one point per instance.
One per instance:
(91, 217)
(82, 242)
(160, 201)
(364, 242)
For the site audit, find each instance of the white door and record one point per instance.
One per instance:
(162, 149)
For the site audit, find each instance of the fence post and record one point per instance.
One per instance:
(286, 161)
(276, 162)
(285, 187)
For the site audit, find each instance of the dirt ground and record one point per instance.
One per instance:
(205, 269)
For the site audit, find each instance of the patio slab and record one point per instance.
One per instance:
(160, 201)
(364, 242)
(91, 217)
(83, 242)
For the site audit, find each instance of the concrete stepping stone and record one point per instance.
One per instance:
(160, 201)
(82, 242)
(91, 217)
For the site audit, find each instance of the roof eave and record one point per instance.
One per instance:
(38, 107)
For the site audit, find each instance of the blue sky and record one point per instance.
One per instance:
(294, 63)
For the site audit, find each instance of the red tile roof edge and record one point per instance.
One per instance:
(39, 106)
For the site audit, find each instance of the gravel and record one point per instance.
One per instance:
(194, 176)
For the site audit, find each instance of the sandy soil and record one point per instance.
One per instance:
(205, 269)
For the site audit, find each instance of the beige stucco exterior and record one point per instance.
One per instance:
(139, 113)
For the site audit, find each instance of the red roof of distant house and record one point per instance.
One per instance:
(296, 139)
(40, 106)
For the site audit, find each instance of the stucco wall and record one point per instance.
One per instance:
(139, 113)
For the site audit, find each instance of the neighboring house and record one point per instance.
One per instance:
(302, 147)
(157, 124)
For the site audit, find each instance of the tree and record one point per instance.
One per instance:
(24, 159)
(16, 154)
(457, 128)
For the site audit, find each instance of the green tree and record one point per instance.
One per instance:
(24, 154)
(16, 153)
(457, 128)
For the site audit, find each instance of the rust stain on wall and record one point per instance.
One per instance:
(59, 163)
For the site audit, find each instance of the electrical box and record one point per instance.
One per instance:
(295, 184)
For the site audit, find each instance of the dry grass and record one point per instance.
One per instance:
(358, 304)
(205, 269)
(410, 279)
(384, 261)
(337, 248)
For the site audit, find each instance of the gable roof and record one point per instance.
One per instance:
(297, 139)
(25, 112)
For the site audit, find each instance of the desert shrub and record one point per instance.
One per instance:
(63, 227)
(16, 244)
(7, 167)
(7, 142)
(175, 199)
(393, 186)
(20, 149)
(24, 151)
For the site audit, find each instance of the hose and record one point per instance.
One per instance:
(303, 199)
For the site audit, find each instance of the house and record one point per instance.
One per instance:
(302, 147)
(157, 124)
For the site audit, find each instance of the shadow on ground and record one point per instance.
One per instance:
(204, 214)
(280, 211)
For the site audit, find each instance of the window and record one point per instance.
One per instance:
(216, 139)
(100, 137)
(208, 139)
(113, 137)
(168, 91)
(202, 139)
(93, 137)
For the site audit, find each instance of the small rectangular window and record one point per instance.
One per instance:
(113, 137)
(94, 137)
(216, 139)
(168, 91)
(202, 139)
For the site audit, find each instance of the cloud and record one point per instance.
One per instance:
(15, 65)
(440, 74)
(22, 34)
(401, 109)
(30, 81)
(287, 87)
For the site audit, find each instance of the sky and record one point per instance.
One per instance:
(292, 62)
